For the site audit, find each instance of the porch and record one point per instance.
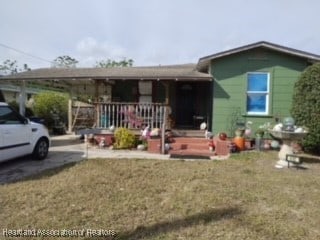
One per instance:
(181, 105)
(134, 116)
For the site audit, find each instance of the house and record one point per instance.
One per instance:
(253, 82)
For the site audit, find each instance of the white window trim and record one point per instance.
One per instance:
(266, 92)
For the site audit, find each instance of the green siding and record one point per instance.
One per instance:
(230, 82)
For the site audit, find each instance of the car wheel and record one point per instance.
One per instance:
(41, 149)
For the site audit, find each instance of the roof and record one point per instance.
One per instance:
(173, 72)
(203, 62)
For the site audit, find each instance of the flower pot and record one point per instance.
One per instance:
(258, 143)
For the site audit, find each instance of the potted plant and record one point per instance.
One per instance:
(239, 132)
(240, 128)
(258, 141)
(259, 133)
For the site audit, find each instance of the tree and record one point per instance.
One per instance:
(306, 106)
(112, 63)
(11, 67)
(65, 62)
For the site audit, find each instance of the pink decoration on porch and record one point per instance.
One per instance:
(132, 118)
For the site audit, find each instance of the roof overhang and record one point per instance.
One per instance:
(74, 76)
(204, 62)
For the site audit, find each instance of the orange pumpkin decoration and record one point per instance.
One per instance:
(240, 143)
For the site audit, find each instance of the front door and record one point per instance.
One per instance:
(185, 108)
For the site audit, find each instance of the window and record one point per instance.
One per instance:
(8, 116)
(145, 91)
(258, 93)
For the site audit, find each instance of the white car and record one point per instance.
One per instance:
(19, 136)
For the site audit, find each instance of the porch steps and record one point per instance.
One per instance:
(188, 133)
(183, 143)
(190, 147)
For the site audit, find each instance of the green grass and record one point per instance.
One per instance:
(244, 197)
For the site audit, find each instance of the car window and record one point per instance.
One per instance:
(8, 116)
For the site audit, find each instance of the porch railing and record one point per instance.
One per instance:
(130, 115)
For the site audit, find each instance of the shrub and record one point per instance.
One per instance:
(48, 104)
(306, 106)
(124, 138)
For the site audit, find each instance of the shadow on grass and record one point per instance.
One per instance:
(144, 232)
(47, 173)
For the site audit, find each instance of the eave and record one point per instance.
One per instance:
(204, 62)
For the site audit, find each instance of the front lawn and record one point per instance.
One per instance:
(244, 197)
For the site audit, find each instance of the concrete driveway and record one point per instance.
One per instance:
(64, 150)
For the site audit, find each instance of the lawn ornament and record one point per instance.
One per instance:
(275, 144)
(288, 135)
(299, 130)
(112, 128)
(288, 124)
(248, 130)
(278, 127)
(222, 136)
(102, 142)
(203, 126)
(155, 132)
(141, 147)
(146, 132)
(208, 134)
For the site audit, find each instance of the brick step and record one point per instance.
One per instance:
(190, 143)
(188, 133)
(195, 146)
(191, 153)
(190, 140)
(154, 145)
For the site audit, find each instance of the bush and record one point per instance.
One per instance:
(124, 139)
(306, 106)
(48, 104)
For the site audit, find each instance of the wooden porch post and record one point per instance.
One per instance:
(166, 87)
(70, 103)
(96, 100)
(163, 131)
(96, 90)
(70, 114)
(22, 98)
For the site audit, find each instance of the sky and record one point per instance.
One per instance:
(151, 32)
